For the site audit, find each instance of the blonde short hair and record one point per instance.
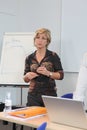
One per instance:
(45, 31)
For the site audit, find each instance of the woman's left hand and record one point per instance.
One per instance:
(43, 70)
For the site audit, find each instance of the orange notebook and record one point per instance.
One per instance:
(28, 112)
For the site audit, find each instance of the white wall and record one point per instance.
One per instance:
(8, 17)
(73, 33)
(30, 15)
(68, 84)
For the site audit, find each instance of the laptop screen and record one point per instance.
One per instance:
(66, 111)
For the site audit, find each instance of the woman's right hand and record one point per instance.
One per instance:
(29, 76)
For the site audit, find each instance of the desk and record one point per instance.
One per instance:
(35, 122)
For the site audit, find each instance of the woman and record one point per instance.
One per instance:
(42, 68)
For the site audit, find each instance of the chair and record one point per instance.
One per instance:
(67, 95)
(42, 126)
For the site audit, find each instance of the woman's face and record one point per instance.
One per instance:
(41, 41)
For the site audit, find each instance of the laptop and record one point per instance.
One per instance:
(65, 111)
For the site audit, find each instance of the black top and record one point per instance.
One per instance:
(43, 85)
